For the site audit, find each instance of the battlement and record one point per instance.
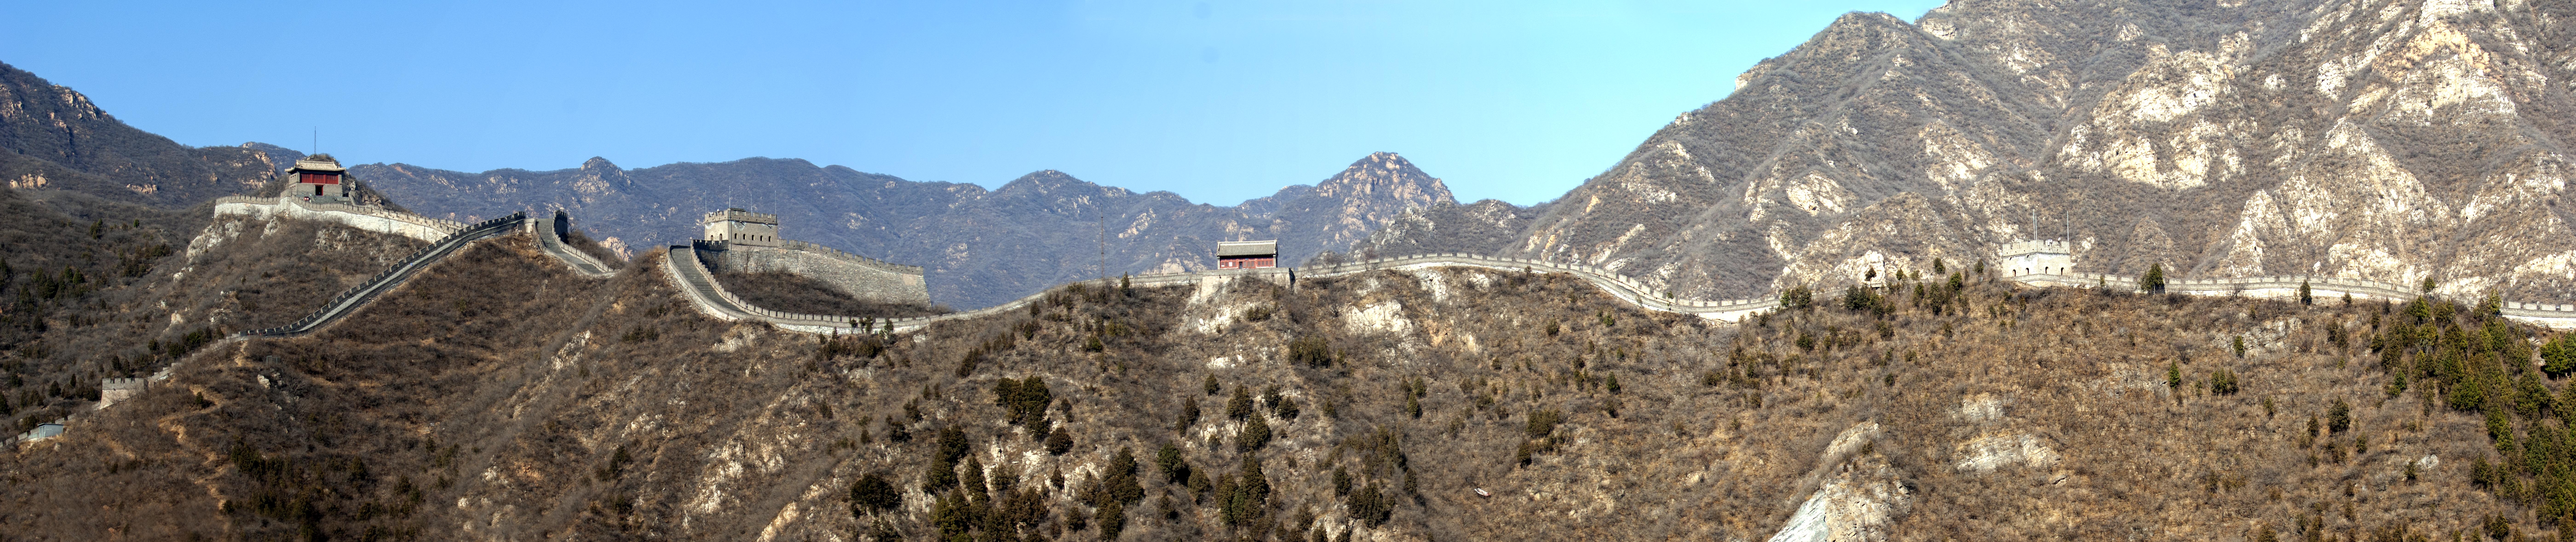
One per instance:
(2040, 246)
(739, 215)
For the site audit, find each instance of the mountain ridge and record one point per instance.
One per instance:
(979, 246)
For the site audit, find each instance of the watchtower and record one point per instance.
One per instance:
(318, 179)
(742, 227)
(2037, 257)
(1247, 254)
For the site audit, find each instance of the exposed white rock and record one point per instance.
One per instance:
(1382, 317)
(1857, 502)
(1985, 454)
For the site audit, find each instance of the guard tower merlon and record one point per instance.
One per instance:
(2037, 257)
(742, 227)
(1247, 254)
(318, 179)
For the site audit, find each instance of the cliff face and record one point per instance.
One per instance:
(978, 247)
(2389, 140)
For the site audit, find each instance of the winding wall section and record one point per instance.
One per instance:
(711, 298)
(349, 301)
(550, 240)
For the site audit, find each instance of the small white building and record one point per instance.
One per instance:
(2039, 257)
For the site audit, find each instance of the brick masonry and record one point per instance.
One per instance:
(859, 276)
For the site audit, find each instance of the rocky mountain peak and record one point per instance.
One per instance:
(598, 165)
(2258, 139)
(1387, 177)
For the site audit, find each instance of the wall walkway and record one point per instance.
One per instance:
(551, 242)
(349, 301)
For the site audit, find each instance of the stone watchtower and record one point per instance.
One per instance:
(742, 227)
(739, 241)
(2039, 257)
(318, 179)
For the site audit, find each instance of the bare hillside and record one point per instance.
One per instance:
(498, 396)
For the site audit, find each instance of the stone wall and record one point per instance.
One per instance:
(861, 277)
(375, 219)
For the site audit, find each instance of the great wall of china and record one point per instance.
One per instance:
(683, 269)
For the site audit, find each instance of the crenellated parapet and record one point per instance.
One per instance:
(365, 217)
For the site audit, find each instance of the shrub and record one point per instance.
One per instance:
(1310, 350)
(1543, 423)
(1189, 414)
(1026, 400)
(1254, 435)
(1175, 470)
(1370, 506)
(940, 476)
(1059, 443)
(1113, 518)
(2222, 382)
(1249, 502)
(2469, 394)
(2558, 356)
(1121, 487)
(2530, 396)
(1240, 406)
(1860, 299)
(2154, 281)
(2339, 417)
(1797, 298)
(872, 493)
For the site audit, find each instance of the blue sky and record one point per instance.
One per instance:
(1218, 101)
